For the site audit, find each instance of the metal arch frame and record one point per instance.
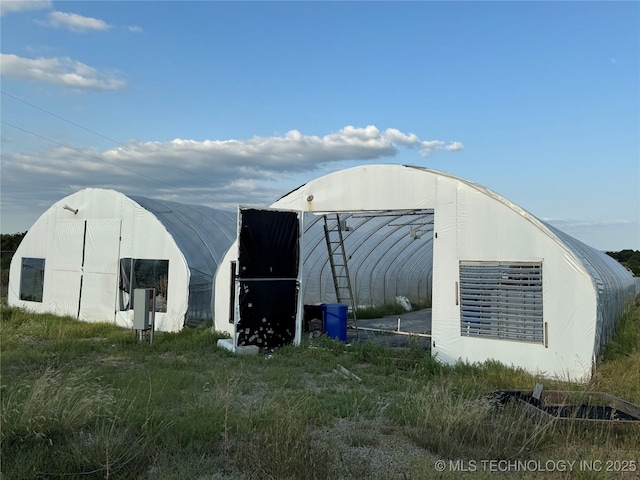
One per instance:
(308, 253)
(409, 284)
(389, 262)
(423, 276)
(421, 214)
(361, 250)
(353, 252)
(427, 246)
(420, 276)
(429, 250)
(366, 255)
(403, 263)
(380, 259)
(358, 246)
(321, 274)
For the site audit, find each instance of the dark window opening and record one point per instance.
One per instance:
(142, 273)
(32, 279)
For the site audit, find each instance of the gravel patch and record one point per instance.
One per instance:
(364, 448)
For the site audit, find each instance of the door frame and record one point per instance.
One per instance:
(237, 277)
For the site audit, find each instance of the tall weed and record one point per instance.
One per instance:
(69, 424)
(455, 425)
(51, 405)
(113, 447)
(276, 442)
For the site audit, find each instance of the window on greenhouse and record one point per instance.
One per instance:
(143, 273)
(32, 279)
(502, 301)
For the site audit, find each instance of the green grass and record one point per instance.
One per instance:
(452, 424)
(619, 374)
(86, 400)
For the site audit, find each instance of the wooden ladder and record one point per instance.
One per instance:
(339, 265)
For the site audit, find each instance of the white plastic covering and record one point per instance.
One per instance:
(203, 236)
(583, 291)
(612, 283)
(83, 251)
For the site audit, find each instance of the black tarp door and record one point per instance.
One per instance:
(268, 276)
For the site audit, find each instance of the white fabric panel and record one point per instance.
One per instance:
(64, 292)
(98, 297)
(63, 279)
(222, 284)
(165, 322)
(101, 263)
(490, 230)
(68, 240)
(102, 246)
(124, 318)
(370, 187)
(445, 327)
(172, 320)
(33, 245)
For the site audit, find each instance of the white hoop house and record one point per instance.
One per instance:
(84, 256)
(503, 284)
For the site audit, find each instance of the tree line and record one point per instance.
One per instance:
(9, 244)
(628, 258)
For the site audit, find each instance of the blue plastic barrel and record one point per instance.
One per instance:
(335, 320)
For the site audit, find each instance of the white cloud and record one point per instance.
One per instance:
(135, 28)
(454, 147)
(427, 147)
(60, 71)
(292, 151)
(76, 23)
(7, 6)
(399, 138)
(220, 173)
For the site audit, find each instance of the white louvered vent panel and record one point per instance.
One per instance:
(501, 300)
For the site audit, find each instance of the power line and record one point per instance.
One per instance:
(70, 147)
(199, 177)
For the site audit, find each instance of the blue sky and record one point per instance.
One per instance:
(221, 103)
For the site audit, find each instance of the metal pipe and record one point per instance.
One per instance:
(74, 210)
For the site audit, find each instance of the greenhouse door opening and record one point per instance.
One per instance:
(390, 266)
(268, 277)
(84, 268)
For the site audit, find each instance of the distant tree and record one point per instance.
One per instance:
(628, 258)
(9, 244)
